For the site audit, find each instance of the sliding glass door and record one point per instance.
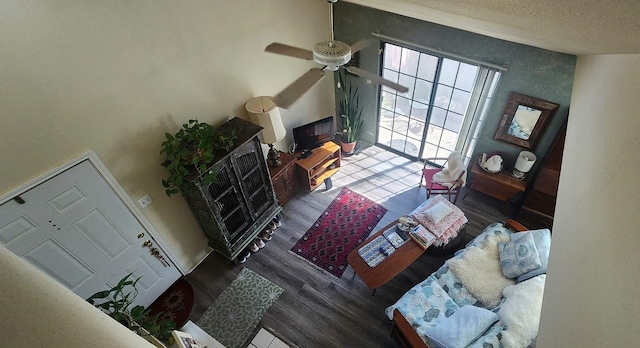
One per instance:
(443, 109)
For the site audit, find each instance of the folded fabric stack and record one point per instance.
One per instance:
(441, 218)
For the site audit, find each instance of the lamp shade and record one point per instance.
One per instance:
(525, 161)
(264, 112)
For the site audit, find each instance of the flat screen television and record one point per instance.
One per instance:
(314, 134)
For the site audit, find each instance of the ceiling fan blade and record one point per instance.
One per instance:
(376, 79)
(299, 87)
(359, 45)
(290, 51)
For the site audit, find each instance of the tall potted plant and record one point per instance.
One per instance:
(350, 115)
(191, 149)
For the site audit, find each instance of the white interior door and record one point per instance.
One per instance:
(77, 230)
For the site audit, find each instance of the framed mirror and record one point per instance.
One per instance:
(525, 118)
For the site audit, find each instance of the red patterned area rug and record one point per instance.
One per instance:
(345, 224)
(175, 303)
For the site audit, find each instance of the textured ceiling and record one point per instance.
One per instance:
(570, 26)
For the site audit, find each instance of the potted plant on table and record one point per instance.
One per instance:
(349, 116)
(192, 148)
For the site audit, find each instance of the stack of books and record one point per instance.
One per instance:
(422, 236)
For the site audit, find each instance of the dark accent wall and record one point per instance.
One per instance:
(532, 71)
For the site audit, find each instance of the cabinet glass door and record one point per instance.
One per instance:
(253, 179)
(227, 203)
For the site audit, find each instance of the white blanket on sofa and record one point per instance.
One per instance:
(480, 271)
(520, 312)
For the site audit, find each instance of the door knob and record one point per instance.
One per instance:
(140, 235)
(147, 243)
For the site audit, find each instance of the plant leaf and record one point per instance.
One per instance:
(137, 313)
(100, 294)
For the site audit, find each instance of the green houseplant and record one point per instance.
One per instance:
(193, 147)
(350, 115)
(117, 303)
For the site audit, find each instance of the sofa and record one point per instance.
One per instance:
(489, 294)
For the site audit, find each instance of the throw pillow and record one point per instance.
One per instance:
(462, 328)
(438, 212)
(542, 238)
(520, 312)
(519, 256)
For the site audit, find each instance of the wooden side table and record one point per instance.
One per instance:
(500, 185)
(375, 277)
(283, 177)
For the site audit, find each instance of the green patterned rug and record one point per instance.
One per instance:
(234, 315)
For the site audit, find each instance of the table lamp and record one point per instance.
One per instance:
(264, 112)
(525, 161)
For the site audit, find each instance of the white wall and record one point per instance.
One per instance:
(113, 76)
(593, 283)
(38, 312)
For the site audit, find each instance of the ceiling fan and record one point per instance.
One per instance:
(333, 55)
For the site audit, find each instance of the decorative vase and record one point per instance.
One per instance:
(347, 147)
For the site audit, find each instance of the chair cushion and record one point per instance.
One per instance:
(428, 177)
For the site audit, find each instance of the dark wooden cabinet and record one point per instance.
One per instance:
(539, 203)
(235, 208)
(283, 177)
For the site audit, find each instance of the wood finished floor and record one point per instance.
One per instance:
(317, 309)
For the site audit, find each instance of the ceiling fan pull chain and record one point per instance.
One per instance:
(331, 16)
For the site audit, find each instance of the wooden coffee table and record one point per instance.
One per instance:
(374, 277)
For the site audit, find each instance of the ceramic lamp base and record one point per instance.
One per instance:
(518, 174)
(273, 157)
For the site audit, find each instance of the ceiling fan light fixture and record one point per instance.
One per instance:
(333, 54)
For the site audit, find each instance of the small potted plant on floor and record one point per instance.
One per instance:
(349, 116)
(191, 149)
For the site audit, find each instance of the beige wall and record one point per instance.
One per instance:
(113, 76)
(38, 312)
(591, 296)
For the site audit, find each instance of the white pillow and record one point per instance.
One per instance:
(520, 312)
(438, 212)
(462, 328)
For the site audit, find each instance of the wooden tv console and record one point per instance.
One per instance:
(323, 163)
